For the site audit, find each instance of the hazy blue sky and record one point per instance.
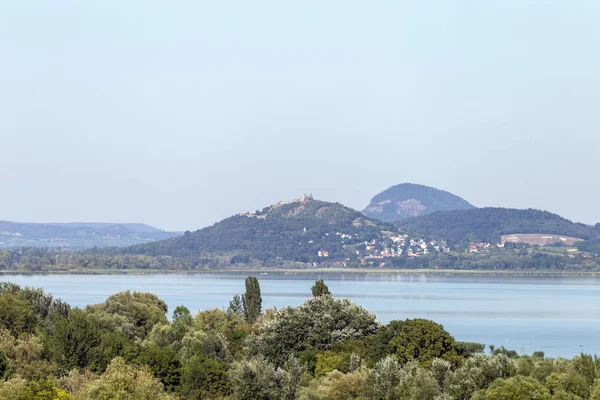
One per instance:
(179, 114)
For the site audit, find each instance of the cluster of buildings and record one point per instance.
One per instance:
(389, 246)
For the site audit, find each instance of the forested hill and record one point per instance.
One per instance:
(489, 224)
(410, 200)
(293, 231)
(306, 233)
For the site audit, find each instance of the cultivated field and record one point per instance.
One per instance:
(539, 239)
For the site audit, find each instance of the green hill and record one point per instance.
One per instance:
(306, 233)
(292, 231)
(489, 224)
(410, 200)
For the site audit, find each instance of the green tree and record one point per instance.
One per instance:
(182, 315)
(251, 300)
(13, 389)
(383, 379)
(335, 386)
(45, 389)
(204, 378)
(317, 324)
(16, 314)
(236, 307)
(163, 363)
(423, 341)
(208, 344)
(225, 323)
(517, 388)
(320, 288)
(122, 381)
(477, 373)
(254, 379)
(328, 361)
(4, 367)
(569, 382)
(112, 344)
(134, 313)
(417, 383)
(290, 377)
(72, 342)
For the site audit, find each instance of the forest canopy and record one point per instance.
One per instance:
(129, 347)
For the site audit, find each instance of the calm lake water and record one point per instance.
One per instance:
(558, 315)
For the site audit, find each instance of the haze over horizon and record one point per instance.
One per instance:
(181, 115)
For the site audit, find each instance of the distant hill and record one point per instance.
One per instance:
(296, 230)
(101, 225)
(489, 224)
(77, 235)
(410, 200)
(307, 233)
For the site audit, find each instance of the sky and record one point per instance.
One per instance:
(180, 114)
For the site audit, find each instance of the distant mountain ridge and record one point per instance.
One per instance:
(490, 223)
(77, 235)
(306, 233)
(135, 227)
(411, 200)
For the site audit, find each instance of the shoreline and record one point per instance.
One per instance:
(296, 271)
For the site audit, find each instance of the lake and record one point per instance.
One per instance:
(557, 315)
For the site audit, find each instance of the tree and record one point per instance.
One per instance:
(290, 377)
(569, 382)
(122, 381)
(13, 389)
(208, 344)
(163, 363)
(4, 367)
(204, 378)
(383, 379)
(135, 314)
(182, 316)
(45, 389)
(112, 344)
(225, 323)
(320, 288)
(517, 388)
(236, 307)
(477, 372)
(317, 324)
(73, 342)
(423, 341)
(254, 379)
(328, 361)
(335, 386)
(16, 314)
(251, 300)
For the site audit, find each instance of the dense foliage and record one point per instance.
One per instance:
(252, 300)
(489, 224)
(320, 288)
(324, 349)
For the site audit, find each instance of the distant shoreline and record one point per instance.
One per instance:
(295, 271)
